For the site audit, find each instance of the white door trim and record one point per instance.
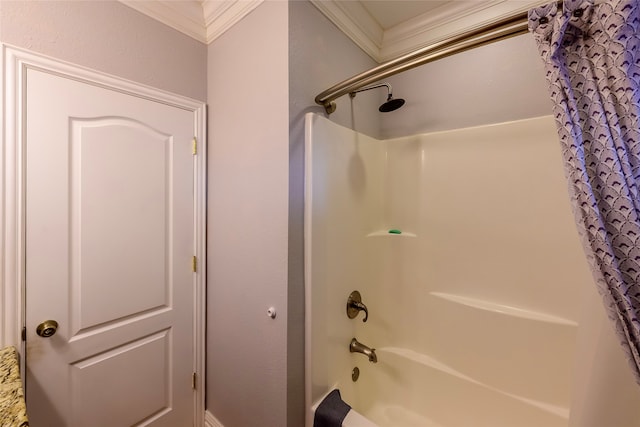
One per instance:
(211, 421)
(13, 65)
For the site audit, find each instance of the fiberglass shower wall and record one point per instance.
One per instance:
(482, 285)
(488, 286)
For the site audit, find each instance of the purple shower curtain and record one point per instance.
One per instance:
(591, 52)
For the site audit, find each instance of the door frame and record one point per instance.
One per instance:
(14, 64)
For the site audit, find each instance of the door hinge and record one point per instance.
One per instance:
(193, 381)
(194, 264)
(24, 333)
(195, 145)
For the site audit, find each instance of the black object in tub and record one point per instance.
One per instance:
(331, 411)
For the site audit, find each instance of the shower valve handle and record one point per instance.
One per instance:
(355, 305)
(361, 307)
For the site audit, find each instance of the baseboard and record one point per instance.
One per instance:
(210, 420)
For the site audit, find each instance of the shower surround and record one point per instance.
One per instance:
(474, 305)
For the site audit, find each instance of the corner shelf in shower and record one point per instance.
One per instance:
(386, 233)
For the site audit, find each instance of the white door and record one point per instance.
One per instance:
(109, 243)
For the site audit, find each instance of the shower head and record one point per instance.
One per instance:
(389, 105)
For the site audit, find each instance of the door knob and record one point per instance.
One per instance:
(47, 328)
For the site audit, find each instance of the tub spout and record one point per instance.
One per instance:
(358, 347)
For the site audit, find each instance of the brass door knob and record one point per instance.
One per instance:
(47, 328)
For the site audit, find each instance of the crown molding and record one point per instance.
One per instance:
(220, 15)
(184, 16)
(447, 21)
(431, 27)
(203, 20)
(354, 21)
(206, 20)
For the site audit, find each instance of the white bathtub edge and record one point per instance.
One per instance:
(354, 419)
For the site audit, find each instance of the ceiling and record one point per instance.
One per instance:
(383, 29)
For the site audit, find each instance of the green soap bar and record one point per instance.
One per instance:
(394, 231)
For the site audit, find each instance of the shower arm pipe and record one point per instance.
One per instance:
(352, 94)
(510, 26)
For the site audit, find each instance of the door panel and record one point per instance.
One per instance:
(149, 357)
(105, 266)
(109, 239)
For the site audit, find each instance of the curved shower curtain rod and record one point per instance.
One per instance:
(510, 26)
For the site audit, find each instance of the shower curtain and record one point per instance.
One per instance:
(591, 52)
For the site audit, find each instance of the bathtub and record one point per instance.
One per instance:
(474, 299)
(408, 389)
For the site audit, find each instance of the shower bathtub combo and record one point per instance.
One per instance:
(463, 251)
(460, 251)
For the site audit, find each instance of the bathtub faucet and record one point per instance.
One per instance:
(358, 347)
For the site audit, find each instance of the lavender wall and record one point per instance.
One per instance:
(247, 220)
(500, 82)
(110, 37)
